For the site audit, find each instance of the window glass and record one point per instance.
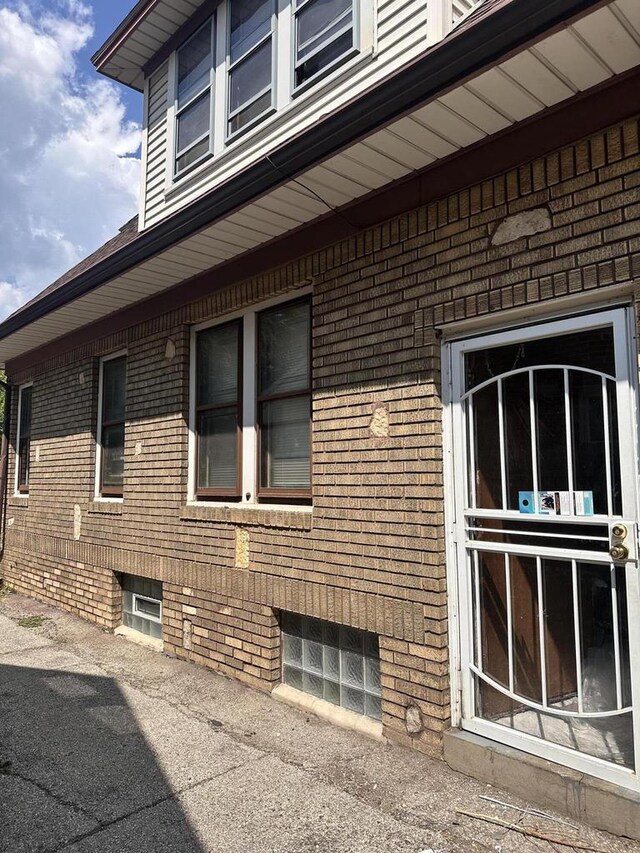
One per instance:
(218, 361)
(194, 65)
(193, 119)
(193, 154)
(251, 63)
(218, 365)
(194, 122)
(284, 396)
(218, 449)
(250, 78)
(324, 34)
(142, 605)
(284, 348)
(113, 379)
(25, 411)
(250, 22)
(112, 427)
(338, 664)
(286, 445)
(24, 438)
(112, 456)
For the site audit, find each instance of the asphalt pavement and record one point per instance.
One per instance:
(109, 747)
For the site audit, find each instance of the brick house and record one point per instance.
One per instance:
(349, 411)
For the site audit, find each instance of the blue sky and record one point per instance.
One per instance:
(107, 14)
(69, 145)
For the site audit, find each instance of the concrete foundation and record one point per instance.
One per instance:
(551, 786)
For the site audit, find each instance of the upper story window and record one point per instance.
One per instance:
(251, 407)
(324, 34)
(249, 60)
(23, 440)
(194, 98)
(111, 426)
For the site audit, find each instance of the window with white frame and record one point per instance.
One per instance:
(251, 59)
(194, 98)
(111, 426)
(142, 605)
(323, 36)
(224, 75)
(23, 439)
(251, 407)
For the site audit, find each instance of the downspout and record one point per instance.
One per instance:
(4, 462)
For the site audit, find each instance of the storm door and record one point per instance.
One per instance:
(544, 461)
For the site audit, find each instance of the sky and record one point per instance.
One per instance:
(69, 141)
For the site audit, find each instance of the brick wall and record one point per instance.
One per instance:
(371, 554)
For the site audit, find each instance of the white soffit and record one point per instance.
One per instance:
(141, 43)
(595, 48)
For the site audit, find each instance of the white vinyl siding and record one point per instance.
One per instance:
(391, 33)
(156, 136)
(462, 8)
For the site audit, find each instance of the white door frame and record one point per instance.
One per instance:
(622, 320)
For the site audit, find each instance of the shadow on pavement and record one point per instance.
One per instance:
(73, 761)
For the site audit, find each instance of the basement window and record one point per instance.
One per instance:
(332, 662)
(142, 605)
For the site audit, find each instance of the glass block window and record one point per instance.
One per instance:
(332, 662)
(142, 605)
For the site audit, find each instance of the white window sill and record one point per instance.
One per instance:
(331, 713)
(248, 507)
(103, 506)
(259, 515)
(140, 639)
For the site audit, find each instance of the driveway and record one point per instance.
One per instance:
(109, 747)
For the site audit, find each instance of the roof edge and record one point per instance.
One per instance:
(473, 49)
(133, 19)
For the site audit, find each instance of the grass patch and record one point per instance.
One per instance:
(5, 590)
(31, 621)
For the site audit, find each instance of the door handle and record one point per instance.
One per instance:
(619, 553)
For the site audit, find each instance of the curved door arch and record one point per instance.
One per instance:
(545, 463)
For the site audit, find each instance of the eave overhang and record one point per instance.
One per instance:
(140, 36)
(513, 64)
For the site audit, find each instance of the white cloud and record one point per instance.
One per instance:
(68, 174)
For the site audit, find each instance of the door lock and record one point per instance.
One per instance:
(622, 541)
(619, 553)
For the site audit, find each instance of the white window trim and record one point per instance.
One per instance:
(285, 94)
(273, 35)
(16, 491)
(135, 597)
(356, 49)
(97, 496)
(249, 407)
(172, 114)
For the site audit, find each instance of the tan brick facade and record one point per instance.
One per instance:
(371, 552)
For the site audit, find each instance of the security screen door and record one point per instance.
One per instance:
(544, 455)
